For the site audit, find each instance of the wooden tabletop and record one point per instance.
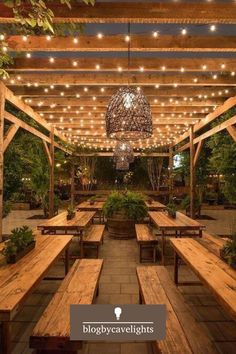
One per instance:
(212, 271)
(98, 205)
(182, 222)
(155, 205)
(19, 280)
(60, 222)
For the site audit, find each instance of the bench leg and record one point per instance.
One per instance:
(154, 254)
(140, 253)
(176, 268)
(5, 347)
(163, 248)
(97, 251)
(67, 260)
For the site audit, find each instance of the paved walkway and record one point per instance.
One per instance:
(118, 285)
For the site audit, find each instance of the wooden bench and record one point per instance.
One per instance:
(52, 332)
(94, 237)
(146, 239)
(183, 334)
(212, 243)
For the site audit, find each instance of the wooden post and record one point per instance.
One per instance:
(52, 165)
(72, 188)
(2, 109)
(192, 173)
(170, 173)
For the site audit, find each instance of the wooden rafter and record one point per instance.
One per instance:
(228, 104)
(47, 151)
(197, 152)
(232, 131)
(116, 79)
(111, 64)
(10, 135)
(210, 132)
(139, 43)
(61, 101)
(140, 12)
(136, 154)
(32, 91)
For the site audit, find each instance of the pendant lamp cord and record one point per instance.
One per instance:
(129, 45)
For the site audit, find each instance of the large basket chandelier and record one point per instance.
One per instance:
(123, 149)
(128, 115)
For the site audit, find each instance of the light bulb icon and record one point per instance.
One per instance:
(118, 312)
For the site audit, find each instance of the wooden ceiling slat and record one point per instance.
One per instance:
(60, 101)
(120, 79)
(139, 43)
(139, 12)
(111, 64)
(108, 91)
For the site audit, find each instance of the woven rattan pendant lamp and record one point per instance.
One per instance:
(123, 149)
(128, 115)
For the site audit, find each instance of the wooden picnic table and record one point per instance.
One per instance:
(181, 225)
(155, 205)
(217, 275)
(59, 223)
(18, 281)
(76, 226)
(97, 206)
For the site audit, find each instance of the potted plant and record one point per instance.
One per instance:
(171, 209)
(122, 211)
(70, 213)
(21, 242)
(211, 197)
(228, 252)
(185, 204)
(92, 200)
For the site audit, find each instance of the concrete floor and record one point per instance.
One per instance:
(118, 285)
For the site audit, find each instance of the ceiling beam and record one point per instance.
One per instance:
(120, 79)
(112, 64)
(139, 43)
(136, 154)
(164, 109)
(32, 91)
(138, 12)
(61, 101)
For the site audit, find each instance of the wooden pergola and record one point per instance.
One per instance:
(67, 91)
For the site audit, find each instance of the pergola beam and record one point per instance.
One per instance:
(120, 79)
(137, 12)
(136, 154)
(232, 131)
(61, 101)
(10, 135)
(228, 104)
(139, 43)
(112, 64)
(25, 91)
(209, 133)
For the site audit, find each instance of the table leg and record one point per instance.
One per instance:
(200, 233)
(176, 267)
(5, 347)
(81, 245)
(67, 260)
(163, 248)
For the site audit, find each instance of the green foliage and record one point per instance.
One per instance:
(36, 14)
(223, 158)
(5, 60)
(186, 203)
(20, 238)
(130, 203)
(6, 208)
(228, 252)
(70, 211)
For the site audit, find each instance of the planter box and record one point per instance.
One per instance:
(20, 206)
(14, 258)
(121, 228)
(70, 217)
